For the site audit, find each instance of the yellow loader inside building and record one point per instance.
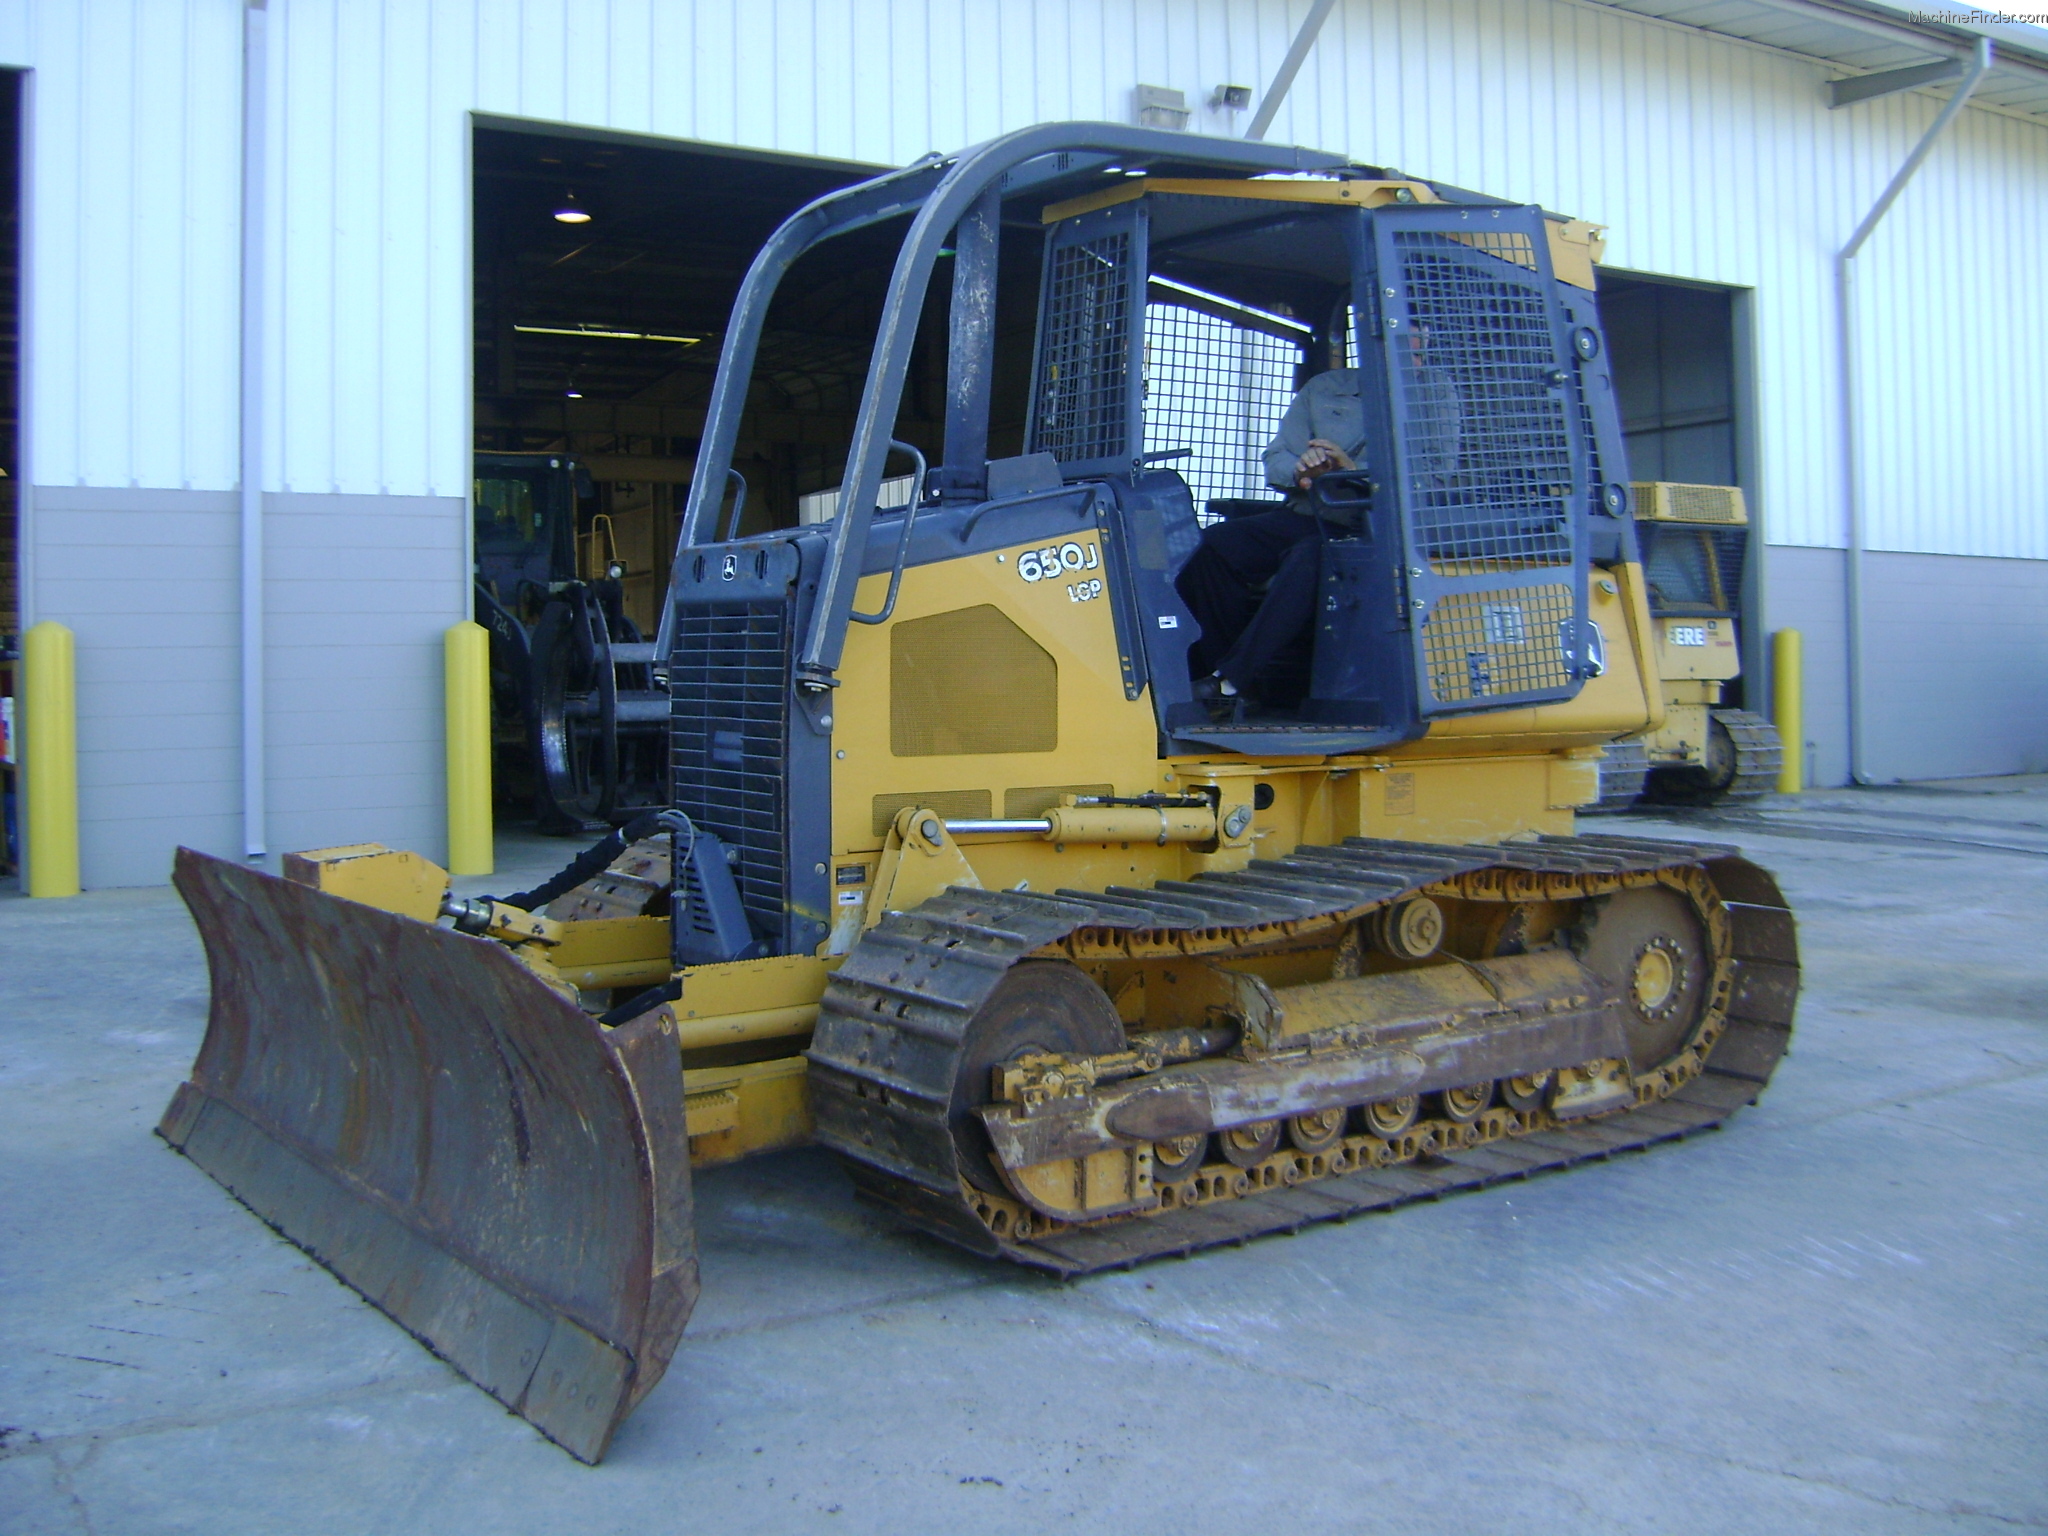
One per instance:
(962, 875)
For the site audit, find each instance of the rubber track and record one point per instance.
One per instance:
(885, 1054)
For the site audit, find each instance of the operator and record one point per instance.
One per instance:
(1243, 635)
(1323, 430)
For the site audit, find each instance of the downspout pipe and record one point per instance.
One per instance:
(255, 99)
(1283, 77)
(1852, 478)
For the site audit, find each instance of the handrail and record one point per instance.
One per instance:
(902, 539)
(739, 504)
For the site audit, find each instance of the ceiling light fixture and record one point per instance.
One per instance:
(572, 212)
(608, 335)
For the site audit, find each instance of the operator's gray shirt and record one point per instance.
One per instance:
(1331, 406)
(1328, 406)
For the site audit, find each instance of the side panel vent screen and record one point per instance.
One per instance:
(970, 681)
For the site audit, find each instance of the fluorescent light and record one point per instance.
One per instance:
(571, 211)
(590, 330)
(1245, 309)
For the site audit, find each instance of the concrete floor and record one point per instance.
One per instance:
(1828, 1316)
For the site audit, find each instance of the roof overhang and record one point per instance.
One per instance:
(1867, 38)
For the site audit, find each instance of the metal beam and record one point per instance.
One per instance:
(1283, 78)
(255, 103)
(1846, 93)
(1852, 480)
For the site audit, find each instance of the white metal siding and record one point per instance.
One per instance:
(1707, 159)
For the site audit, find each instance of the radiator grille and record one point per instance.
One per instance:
(1481, 645)
(728, 740)
(1485, 437)
(1084, 401)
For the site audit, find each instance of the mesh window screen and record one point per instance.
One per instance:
(1692, 567)
(1220, 390)
(1084, 382)
(1484, 435)
(1489, 443)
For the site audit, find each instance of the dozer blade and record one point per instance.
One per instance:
(496, 1171)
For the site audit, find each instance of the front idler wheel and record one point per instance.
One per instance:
(1651, 946)
(1039, 1008)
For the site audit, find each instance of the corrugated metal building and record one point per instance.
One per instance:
(1702, 138)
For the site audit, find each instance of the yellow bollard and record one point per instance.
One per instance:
(1788, 680)
(468, 661)
(49, 732)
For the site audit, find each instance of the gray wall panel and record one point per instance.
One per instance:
(360, 590)
(1805, 589)
(1957, 656)
(146, 581)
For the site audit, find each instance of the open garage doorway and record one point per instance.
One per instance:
(1675, 349)
(605, 270)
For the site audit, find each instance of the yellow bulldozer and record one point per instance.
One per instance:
(960, 873)
(1694, 541)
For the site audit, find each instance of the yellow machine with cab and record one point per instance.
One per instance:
(960, 877)
(1694, 541)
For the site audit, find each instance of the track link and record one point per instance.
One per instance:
(1623, 770)
(894, 1016)
(1759, 752)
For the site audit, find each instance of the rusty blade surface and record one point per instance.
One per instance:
(503, 1176)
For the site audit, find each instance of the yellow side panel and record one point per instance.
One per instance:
(374, 875)
(747, 986)
(1465, 800)
(1048, 601)
(1610, 706)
